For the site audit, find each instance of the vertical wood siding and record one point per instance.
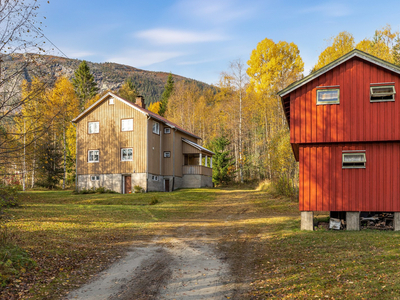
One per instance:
(325, 186)
(355, 119)
(110, 140)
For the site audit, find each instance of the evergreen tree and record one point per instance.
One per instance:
(222, 161)
(168, 89)
(128, 91)
(84, 84)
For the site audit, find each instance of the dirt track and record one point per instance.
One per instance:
(205, 257)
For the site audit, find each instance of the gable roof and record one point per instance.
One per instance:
(354, 53)
(197, 146)
(134, 106)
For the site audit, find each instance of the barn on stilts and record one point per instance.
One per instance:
(344, 124)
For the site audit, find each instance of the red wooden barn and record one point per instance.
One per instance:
(345, 133)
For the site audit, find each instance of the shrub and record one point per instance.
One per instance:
(138, 189)
(284, 187)
(9, 196)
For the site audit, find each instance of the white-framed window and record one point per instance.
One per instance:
(156, 127)
(353, 160)
(167, 154)
(95, 177)
(127, 154)
(93, 156)
(154, 177)
(167, 130)
(93, 127)
(111, 101)
(127, 125)
(382, 93)
(328, 96)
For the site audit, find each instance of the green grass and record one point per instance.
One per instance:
(293, 264)
(70, 237)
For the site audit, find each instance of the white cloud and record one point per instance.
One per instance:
(332, 9)
(194, 62)
(162, 36)
(143, 58)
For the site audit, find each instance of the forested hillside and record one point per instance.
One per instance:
(108, 76)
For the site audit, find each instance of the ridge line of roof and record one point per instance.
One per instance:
(138, 108)
(336, 62)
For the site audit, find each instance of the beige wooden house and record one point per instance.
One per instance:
(121, 145)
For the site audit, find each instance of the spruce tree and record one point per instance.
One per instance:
(84, 84)
(222, 161)
(128, 91)
(168, 89)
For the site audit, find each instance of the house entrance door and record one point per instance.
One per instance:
(128, 184)
(166, 185)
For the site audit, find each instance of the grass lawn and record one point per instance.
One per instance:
(294, 264)
(71, 237)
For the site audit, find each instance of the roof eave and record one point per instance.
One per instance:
(335, 63)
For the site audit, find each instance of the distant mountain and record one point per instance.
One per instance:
(109, 76)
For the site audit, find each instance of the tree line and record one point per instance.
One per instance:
(240, 118)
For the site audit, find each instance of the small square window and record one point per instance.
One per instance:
(95, 178)
(353, 160)
(167, 154)
(156, 127)
(127, 125)
(93, 156)
(93, 127)
(167, 130)
(126, 154)
(154, 177)
(382, 93)
(328, 96)
(111, 101)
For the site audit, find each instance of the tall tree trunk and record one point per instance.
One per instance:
(24, 164)
(65, 157)
(34, 161)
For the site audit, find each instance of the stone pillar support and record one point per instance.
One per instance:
(396, 221)
(352, 220)
(307, 220)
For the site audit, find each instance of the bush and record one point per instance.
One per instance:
(284, 187)
(9, 196)
(138, 189)
(99, 190)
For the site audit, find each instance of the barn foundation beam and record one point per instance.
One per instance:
(307, 220)
(396, 221)
(352, 220)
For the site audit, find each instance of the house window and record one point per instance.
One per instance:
(154, 177)
(93, 156)
(156, 128)
(167, 154)
(95, 178)
(382, 93)
(127, 125)
(354, 160)
(111, 101)
(93, 127)
(126, 154)
(328, 96)
(167, 130)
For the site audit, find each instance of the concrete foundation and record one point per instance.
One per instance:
(307, 220)
(146, 181)
(352, 220)
(396, 221)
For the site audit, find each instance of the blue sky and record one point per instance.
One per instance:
(198, 39)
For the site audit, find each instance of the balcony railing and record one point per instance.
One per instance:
(196, 170)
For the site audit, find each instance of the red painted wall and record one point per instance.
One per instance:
(325, 186)
(355, 118)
